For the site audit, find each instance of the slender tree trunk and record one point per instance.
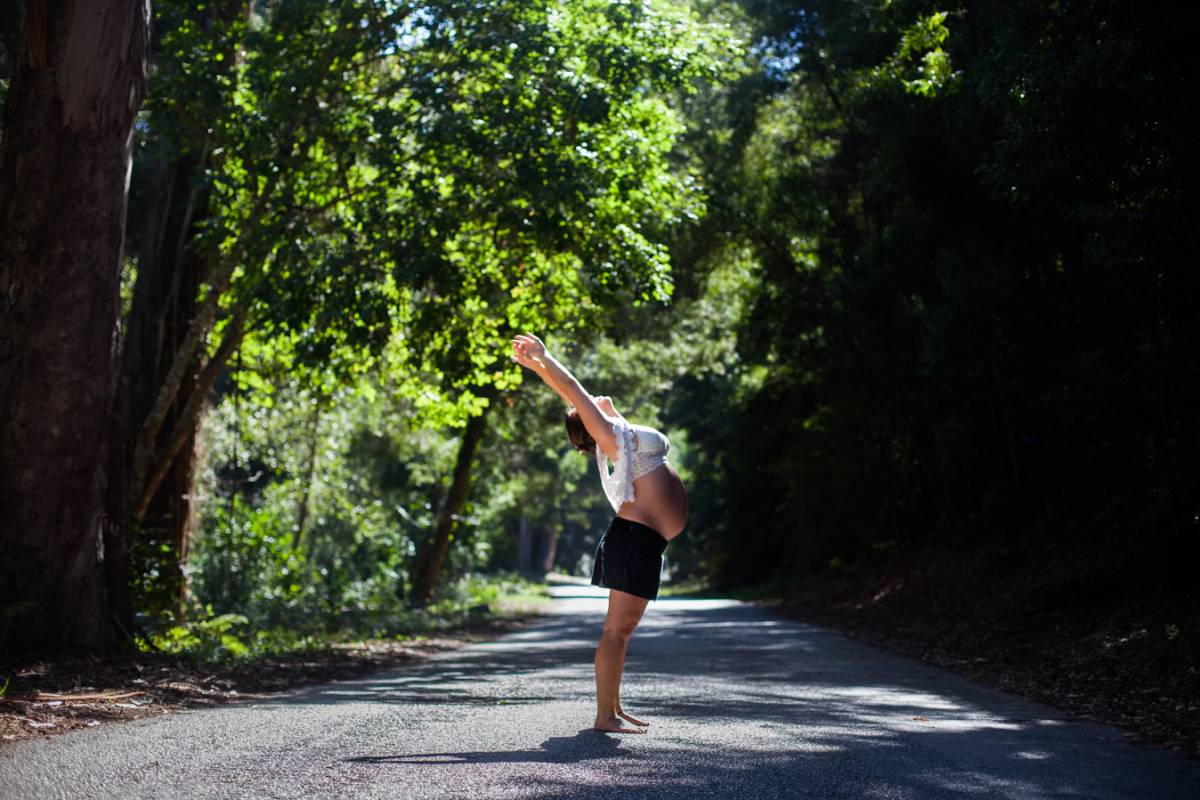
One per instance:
(184, 429)
(548, 551)
(164, 300)
(430, 563)
(64, 172)
(310, 471)
(181, 366)
(524, 546)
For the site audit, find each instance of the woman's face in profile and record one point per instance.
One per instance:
(604, 403)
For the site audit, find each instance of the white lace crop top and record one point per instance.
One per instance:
(640, 449)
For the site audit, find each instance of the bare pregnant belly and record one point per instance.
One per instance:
(660, 502)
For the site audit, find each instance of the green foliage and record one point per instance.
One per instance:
(207, 638)
(470, 599)
(454, 171)
(920, 52)
(544, 180)
(393, 189)
(312, 510)
(313, 505)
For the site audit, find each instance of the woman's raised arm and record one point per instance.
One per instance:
(529, 351)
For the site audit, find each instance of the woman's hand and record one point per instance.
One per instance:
(529, 351)
(533, 345)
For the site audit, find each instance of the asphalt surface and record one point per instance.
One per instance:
(742, 704)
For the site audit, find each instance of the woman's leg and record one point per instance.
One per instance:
(620, 712)
(624, 612)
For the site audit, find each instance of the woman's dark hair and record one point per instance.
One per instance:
(578, 434)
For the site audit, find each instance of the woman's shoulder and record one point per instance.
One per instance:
(624, 436)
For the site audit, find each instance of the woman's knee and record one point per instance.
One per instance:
(620, 629)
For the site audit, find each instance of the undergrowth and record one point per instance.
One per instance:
(223, 636)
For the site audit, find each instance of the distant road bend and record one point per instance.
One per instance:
(742, 704)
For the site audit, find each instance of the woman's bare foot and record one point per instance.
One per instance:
(615, 724)
(632, 719)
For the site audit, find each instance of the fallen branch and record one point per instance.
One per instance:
(66, 698)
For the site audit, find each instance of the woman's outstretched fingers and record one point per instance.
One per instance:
(532, 343)
(522, 355)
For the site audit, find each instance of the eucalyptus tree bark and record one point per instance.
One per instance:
(429, 565)
(183, 359)
(79, 76)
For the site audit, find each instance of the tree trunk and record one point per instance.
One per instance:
(524, 546)
(64, 171)
(163, 349)
(184, 429)
(178, 371)
(430, 563)
(310, 472)
(164, 301)
(548, 551)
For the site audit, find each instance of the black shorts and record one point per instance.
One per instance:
(629, 558)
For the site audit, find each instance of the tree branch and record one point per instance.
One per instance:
(185, 425)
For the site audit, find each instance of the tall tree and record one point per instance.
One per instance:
(64, 169)
(190, 83)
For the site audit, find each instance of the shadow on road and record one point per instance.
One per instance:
(586, 745)
(754, 703)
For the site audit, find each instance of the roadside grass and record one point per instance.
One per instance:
(475, 601)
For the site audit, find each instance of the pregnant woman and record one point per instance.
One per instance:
(651, 509)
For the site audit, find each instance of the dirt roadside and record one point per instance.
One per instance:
(46, 698)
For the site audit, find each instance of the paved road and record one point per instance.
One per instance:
(743, 705)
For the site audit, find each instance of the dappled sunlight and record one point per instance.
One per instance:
(974, 783)
(735, 699)
(746, 705)
(890, 696)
